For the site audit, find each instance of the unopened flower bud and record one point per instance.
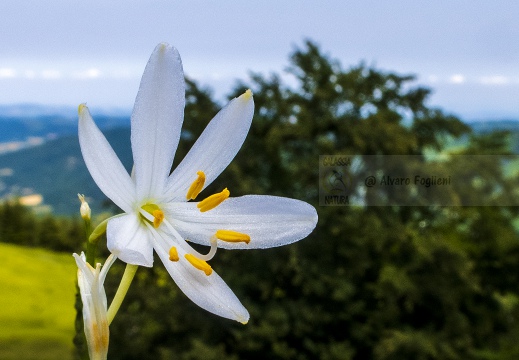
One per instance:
(93, 296)
(84, 209)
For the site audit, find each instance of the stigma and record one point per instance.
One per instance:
(156, 212)
(213, 201)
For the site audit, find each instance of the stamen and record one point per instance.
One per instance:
(196, 186)
(213, 201)
(173, 254)
(232, 236)
(199, 264)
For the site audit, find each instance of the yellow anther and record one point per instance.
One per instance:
(173, 254)
(199, 264)
(213, 201)
(196, 186)
(232, 236)
(247, 94)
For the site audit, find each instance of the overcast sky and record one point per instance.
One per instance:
(64, 52)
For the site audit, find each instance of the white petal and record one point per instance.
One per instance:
(268, 220)
(85, 273)
(157, 119)
(129, 240)
(106, 266)
(215, 148)
(208, 292)
(105, 167)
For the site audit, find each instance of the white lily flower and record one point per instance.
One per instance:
(93, 296)
(158, 213)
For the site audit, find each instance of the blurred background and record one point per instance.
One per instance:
(358, 77)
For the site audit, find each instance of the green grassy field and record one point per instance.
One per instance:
(36, 304)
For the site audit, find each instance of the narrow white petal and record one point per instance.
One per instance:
(85, 273)
(215, 148)
(105, 167)
(268, 220)
(129, 240)
(208, 292)
(106, 266)
(157, 119)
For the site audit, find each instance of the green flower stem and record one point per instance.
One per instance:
(91, 248)
(92, 240)
(98, 231)
(128, 275)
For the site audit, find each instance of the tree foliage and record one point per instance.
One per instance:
(19, 225)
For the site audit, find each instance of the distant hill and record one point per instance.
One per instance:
(481, 127)
(26, 125)
(485, 127)
(50, 126)
(56, 171)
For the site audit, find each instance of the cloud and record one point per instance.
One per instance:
(457, 79)
(91, 73)
(7, 73)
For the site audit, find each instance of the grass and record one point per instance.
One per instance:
(36, 304)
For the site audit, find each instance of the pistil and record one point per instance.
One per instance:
(155, 211)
